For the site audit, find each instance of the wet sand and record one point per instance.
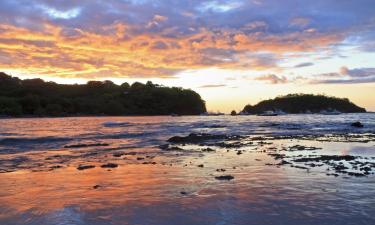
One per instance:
(194, 179)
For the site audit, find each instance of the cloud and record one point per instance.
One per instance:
(213, 86)
(359, 72)
(306, 64)
(300, 21)
(57, 14)
(346, 76)
(273, 79)
(345, 81)
(144, 38)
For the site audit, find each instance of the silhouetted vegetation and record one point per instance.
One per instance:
(302, 103)
(35, 97)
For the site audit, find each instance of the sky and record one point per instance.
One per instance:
(232, 52)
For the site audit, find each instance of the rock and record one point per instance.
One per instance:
(183, 192)
(326, 158)
(195, 138)
(215, 126)
(300, 167)
(96, 186)
(357, 124)
(201, 165)
(356, 174)
(55, 167)
(233, 113)
(332, 174)
(366, 169)
(224, 177)
(86, 145)
(208, 150)
(277, 156)
(118, 154)
(147, 163)
(109, 165)
(85, 167)
(283, 162)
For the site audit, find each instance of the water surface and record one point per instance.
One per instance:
(40, 183)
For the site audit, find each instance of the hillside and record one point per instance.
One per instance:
(302, 103)
(35, 97)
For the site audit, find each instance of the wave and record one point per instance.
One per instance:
(37, 140)
(116, 124)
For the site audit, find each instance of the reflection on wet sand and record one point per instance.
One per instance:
(142, 180)
(165, 192)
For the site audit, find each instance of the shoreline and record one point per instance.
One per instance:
(91, 172)
(164, 115)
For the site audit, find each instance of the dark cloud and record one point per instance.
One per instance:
(213, 86)
(345, 81)
(346, 76)
(306, 64)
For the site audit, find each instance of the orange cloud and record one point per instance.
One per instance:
(119, 50)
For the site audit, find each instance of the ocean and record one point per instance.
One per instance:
(289, 169)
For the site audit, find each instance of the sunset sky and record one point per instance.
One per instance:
(231, 52)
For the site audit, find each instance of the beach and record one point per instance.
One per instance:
(289, 169)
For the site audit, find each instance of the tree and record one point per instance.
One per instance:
(40, 98)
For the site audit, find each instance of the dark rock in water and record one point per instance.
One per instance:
(225, 177)
(356, 174)
(357, 124)
(131, 153)
(302, 148)
(96, 186)
(215, 126)
(86, 145)
(339, 168)
(85, 167)
(140, 158)
(109, 165)
(201, 165)
(55, 167)
(220, 170)
(366, 169)
(239, 152)
(326, 158)
(195, 138)
(277, 155)
(332, 174)
(183, 192)
(118, 154)
(300, 167)
(208, 150)
(283, 162)
(233, 113)
(147, 163)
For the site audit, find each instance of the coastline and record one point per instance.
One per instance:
(86, 171)
(147, 115)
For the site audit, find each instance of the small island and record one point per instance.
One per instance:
(304, 103)
(36, 97)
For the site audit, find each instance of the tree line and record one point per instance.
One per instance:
(36, 97)
(302, 103)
